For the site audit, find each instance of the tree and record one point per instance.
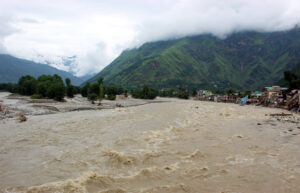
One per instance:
(289, 76)
(68, 81)
(70, 88)
(194, 92)
(247, 93)
(92, 97)
(42, 88)
(56, 91)
(45, 86)
(295, 84)
(171, 92)
(101, 89)
(111, 92)
(27, 85)
(10, 87)
(85, 89)
(145, 93)
(292, 79)
(230, 91)
(94, 88)
(76, 90)
(183, 93)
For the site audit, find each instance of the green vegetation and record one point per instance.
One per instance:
(92, 97)
(230, 91)
(70, 88)
(170, 92)
(85, 89)
(46, 86)
(111, 92)
(36, 96)
(101, 88)
(51, 87)
(27, 85)
(10, 87)
(97, 91)
(183, 93)
(293, 77)
(243, 61)
(145, 93)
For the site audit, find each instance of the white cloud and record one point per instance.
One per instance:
(96, 31)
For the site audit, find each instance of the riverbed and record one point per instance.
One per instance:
(168, 147)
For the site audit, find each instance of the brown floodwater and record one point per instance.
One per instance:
(171, 147)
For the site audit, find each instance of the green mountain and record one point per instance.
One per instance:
(247, 60)
(11, 69)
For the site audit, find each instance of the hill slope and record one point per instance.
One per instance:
(248, 60)
(11, 69)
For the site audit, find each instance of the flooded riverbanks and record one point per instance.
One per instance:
(176, 146)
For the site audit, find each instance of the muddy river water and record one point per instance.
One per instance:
(170, 147)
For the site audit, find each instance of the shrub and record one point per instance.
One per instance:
(70, 91)
(56, 91)
(101, 88)
(92, 97)
(10, 87)
(183, 93)
(145, 93)
(111, 92)
(70, 88)
(42, 88)
(27, 85)
(85, 89)
(111, 97)
(94, 88)
(295, 84)
(36, 96)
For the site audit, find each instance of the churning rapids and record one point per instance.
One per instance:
(171, 147)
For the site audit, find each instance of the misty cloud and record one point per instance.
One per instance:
(6, 29)
(96, 31)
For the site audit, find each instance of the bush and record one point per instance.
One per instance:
(70, 88)
(36, 96)
(56, 91)
(85, 89)
(183, 93)
(145, 93)
(42, 88)
(70, 91)
(111, 97)
(111, 92)
(94, 88)
(10, 87)
(295, 84)
(92, 97)
(27, 85)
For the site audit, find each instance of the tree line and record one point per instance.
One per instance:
(53, 87)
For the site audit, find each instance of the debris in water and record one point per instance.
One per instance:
(22, 117)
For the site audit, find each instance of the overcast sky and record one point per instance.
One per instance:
(96, 31)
